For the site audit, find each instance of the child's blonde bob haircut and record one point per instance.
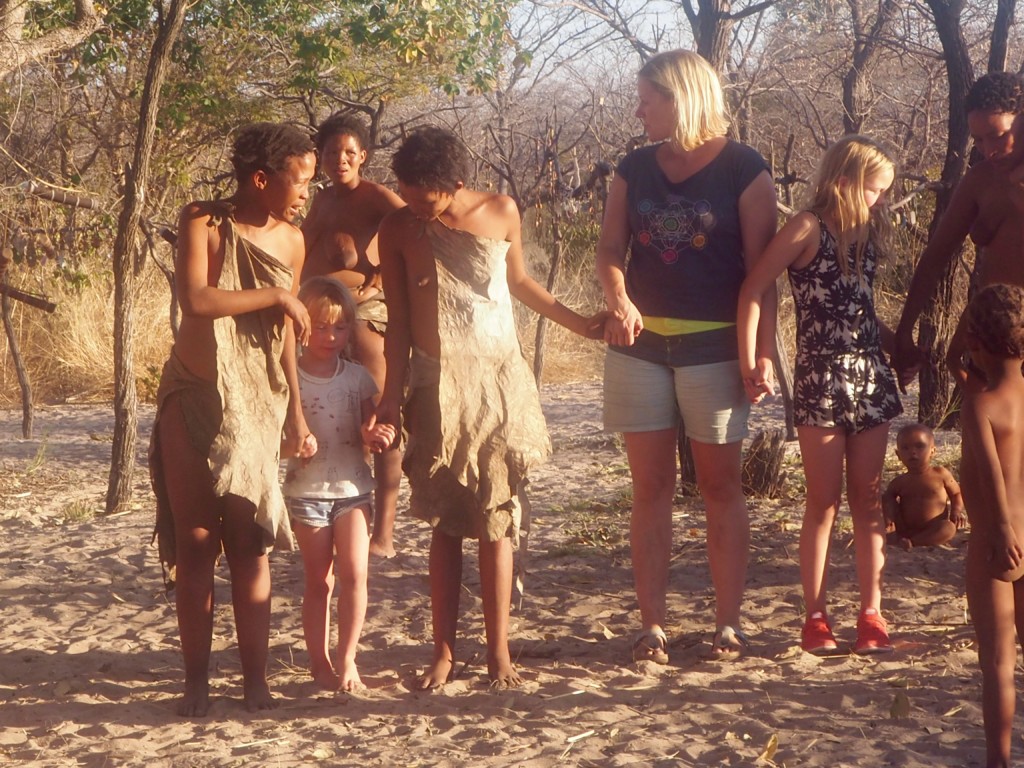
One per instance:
(327, 301)
(838, 194)
(694, 88)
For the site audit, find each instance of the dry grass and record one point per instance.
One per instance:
(69, 354)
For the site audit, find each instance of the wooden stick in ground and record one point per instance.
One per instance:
(27, 414)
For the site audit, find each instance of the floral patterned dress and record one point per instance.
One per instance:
(842, 379)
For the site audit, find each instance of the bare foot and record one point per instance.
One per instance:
(385, 549)
(436, 676)
(349, 679)
(503, 675)
(258, 697)
(196, 701)
(326, 678)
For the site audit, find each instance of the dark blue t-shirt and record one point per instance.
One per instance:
(686, 248)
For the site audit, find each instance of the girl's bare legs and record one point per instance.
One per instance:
(317, 547)
(994, 607)
(445, 568)
(352, 542)
(496, 595)
(822, 451)
(728, 525)
(368, 349)
(652, 465)
(196, 512)
(865, 455)
(250, 597)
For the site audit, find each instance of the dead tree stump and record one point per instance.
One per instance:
(762, 471)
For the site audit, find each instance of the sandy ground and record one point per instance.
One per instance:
(90, 668)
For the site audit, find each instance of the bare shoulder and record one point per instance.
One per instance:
(287, 241)
(380, 197)
(398, 224)
(199, 212)
(981, 177)
(804, 225)
(499, 214)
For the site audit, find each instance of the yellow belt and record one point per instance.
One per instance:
(674, 326)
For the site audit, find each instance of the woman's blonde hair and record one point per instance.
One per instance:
(328, 300)
(695, 90)
(838, 194)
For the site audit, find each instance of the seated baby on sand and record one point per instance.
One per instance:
(923, 504)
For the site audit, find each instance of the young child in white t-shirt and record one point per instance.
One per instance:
(329, 495)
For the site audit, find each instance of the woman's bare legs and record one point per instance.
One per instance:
(652, 465)
(728, 525)
(202, 522)
(196, 512)
(250, 597)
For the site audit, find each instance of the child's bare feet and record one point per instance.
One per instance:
(502, 673)
(349, 679)
(326, 677)
(436, 676)
(258, 697)
(196, 701)
(382, 548)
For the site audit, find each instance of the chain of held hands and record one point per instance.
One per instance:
(377, 436)
(623, 325)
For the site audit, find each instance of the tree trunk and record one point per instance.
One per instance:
(1005, 11)
(939, 321)
(126, 244)
(713, 32)
(553, 270)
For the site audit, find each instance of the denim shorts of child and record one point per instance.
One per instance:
(320, 513)
(640, 396)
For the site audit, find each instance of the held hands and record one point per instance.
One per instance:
(623, 325)
(907, 359)
(297, 441)
(297, 311)
(594, 325)
(377, 436)
(388, 414)
(759, 382)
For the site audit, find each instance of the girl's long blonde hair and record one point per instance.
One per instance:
(694, 88)
(838, 194)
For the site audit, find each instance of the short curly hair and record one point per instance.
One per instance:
(1000, 92)
(995, 318)
(267, 147)
(916, 428)
(432, 158)
(342, 124)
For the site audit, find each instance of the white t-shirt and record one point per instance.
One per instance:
(340, 468)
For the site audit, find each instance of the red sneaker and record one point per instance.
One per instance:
(872, 634)
(817, 637)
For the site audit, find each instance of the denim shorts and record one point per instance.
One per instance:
(320, 513)
(640, 396)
